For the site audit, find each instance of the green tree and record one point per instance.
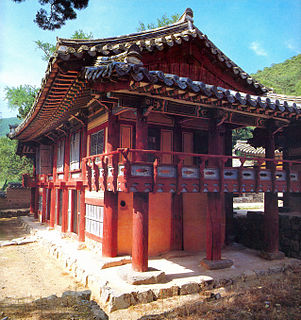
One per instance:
(284, 78)
(58, 13)
(21, 98)
(163, 21)
(49, 48)
(241, 134)
(11, 165)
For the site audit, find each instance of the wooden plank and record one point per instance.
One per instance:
(126, 137)
(166, 145)
(187, 143)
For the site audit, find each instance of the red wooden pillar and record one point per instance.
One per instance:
(110, 219)
(52, 207)
(44, 202)
(140, 204)
(215, 209)
(82, 219)
(53, 190)
(177, 222)
(271, 214)
(65, 189)
(140, 232)
(229, 234)
(177, 199)
(214, 212)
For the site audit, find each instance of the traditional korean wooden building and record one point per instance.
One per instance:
(131, 139)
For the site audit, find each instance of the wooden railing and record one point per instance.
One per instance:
(210, 173)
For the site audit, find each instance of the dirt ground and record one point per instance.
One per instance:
(27, 273)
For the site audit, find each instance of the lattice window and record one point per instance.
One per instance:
(97, 142)
(74, 151)
(94, 220)
(60, 156)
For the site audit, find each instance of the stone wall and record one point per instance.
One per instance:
(249, 231)
(13, 213)
(15, 198)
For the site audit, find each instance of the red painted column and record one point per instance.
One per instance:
(140, 232)
(44, 195)
(65, 189)
(229, 233)
(110, 219)
(177, 199)
(271, 214)
(52, 207)
(214, 234)
(82, 219)
(215, 199)
(177, 222)
(141, 135)
(53, 190)
(216, 204)
(140, 205)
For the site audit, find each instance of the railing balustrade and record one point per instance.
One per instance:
(107, 172)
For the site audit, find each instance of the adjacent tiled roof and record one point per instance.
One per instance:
(120, 70)
(246, 148)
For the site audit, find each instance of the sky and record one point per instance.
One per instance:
(253, 33)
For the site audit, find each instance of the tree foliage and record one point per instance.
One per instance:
(241, 134)
(12, 166)
(284, 78)
(57, 13)
(163, 21)
(49, 48)
(21, 98)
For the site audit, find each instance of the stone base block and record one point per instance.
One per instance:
(272, 255)
(216, 264)
(151, 276)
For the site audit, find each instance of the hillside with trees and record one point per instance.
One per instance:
(284, 78)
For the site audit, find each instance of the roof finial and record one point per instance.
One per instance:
(187, 16)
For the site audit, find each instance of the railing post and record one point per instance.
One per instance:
(95, 174)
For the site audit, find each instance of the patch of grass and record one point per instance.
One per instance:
(270, 297)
